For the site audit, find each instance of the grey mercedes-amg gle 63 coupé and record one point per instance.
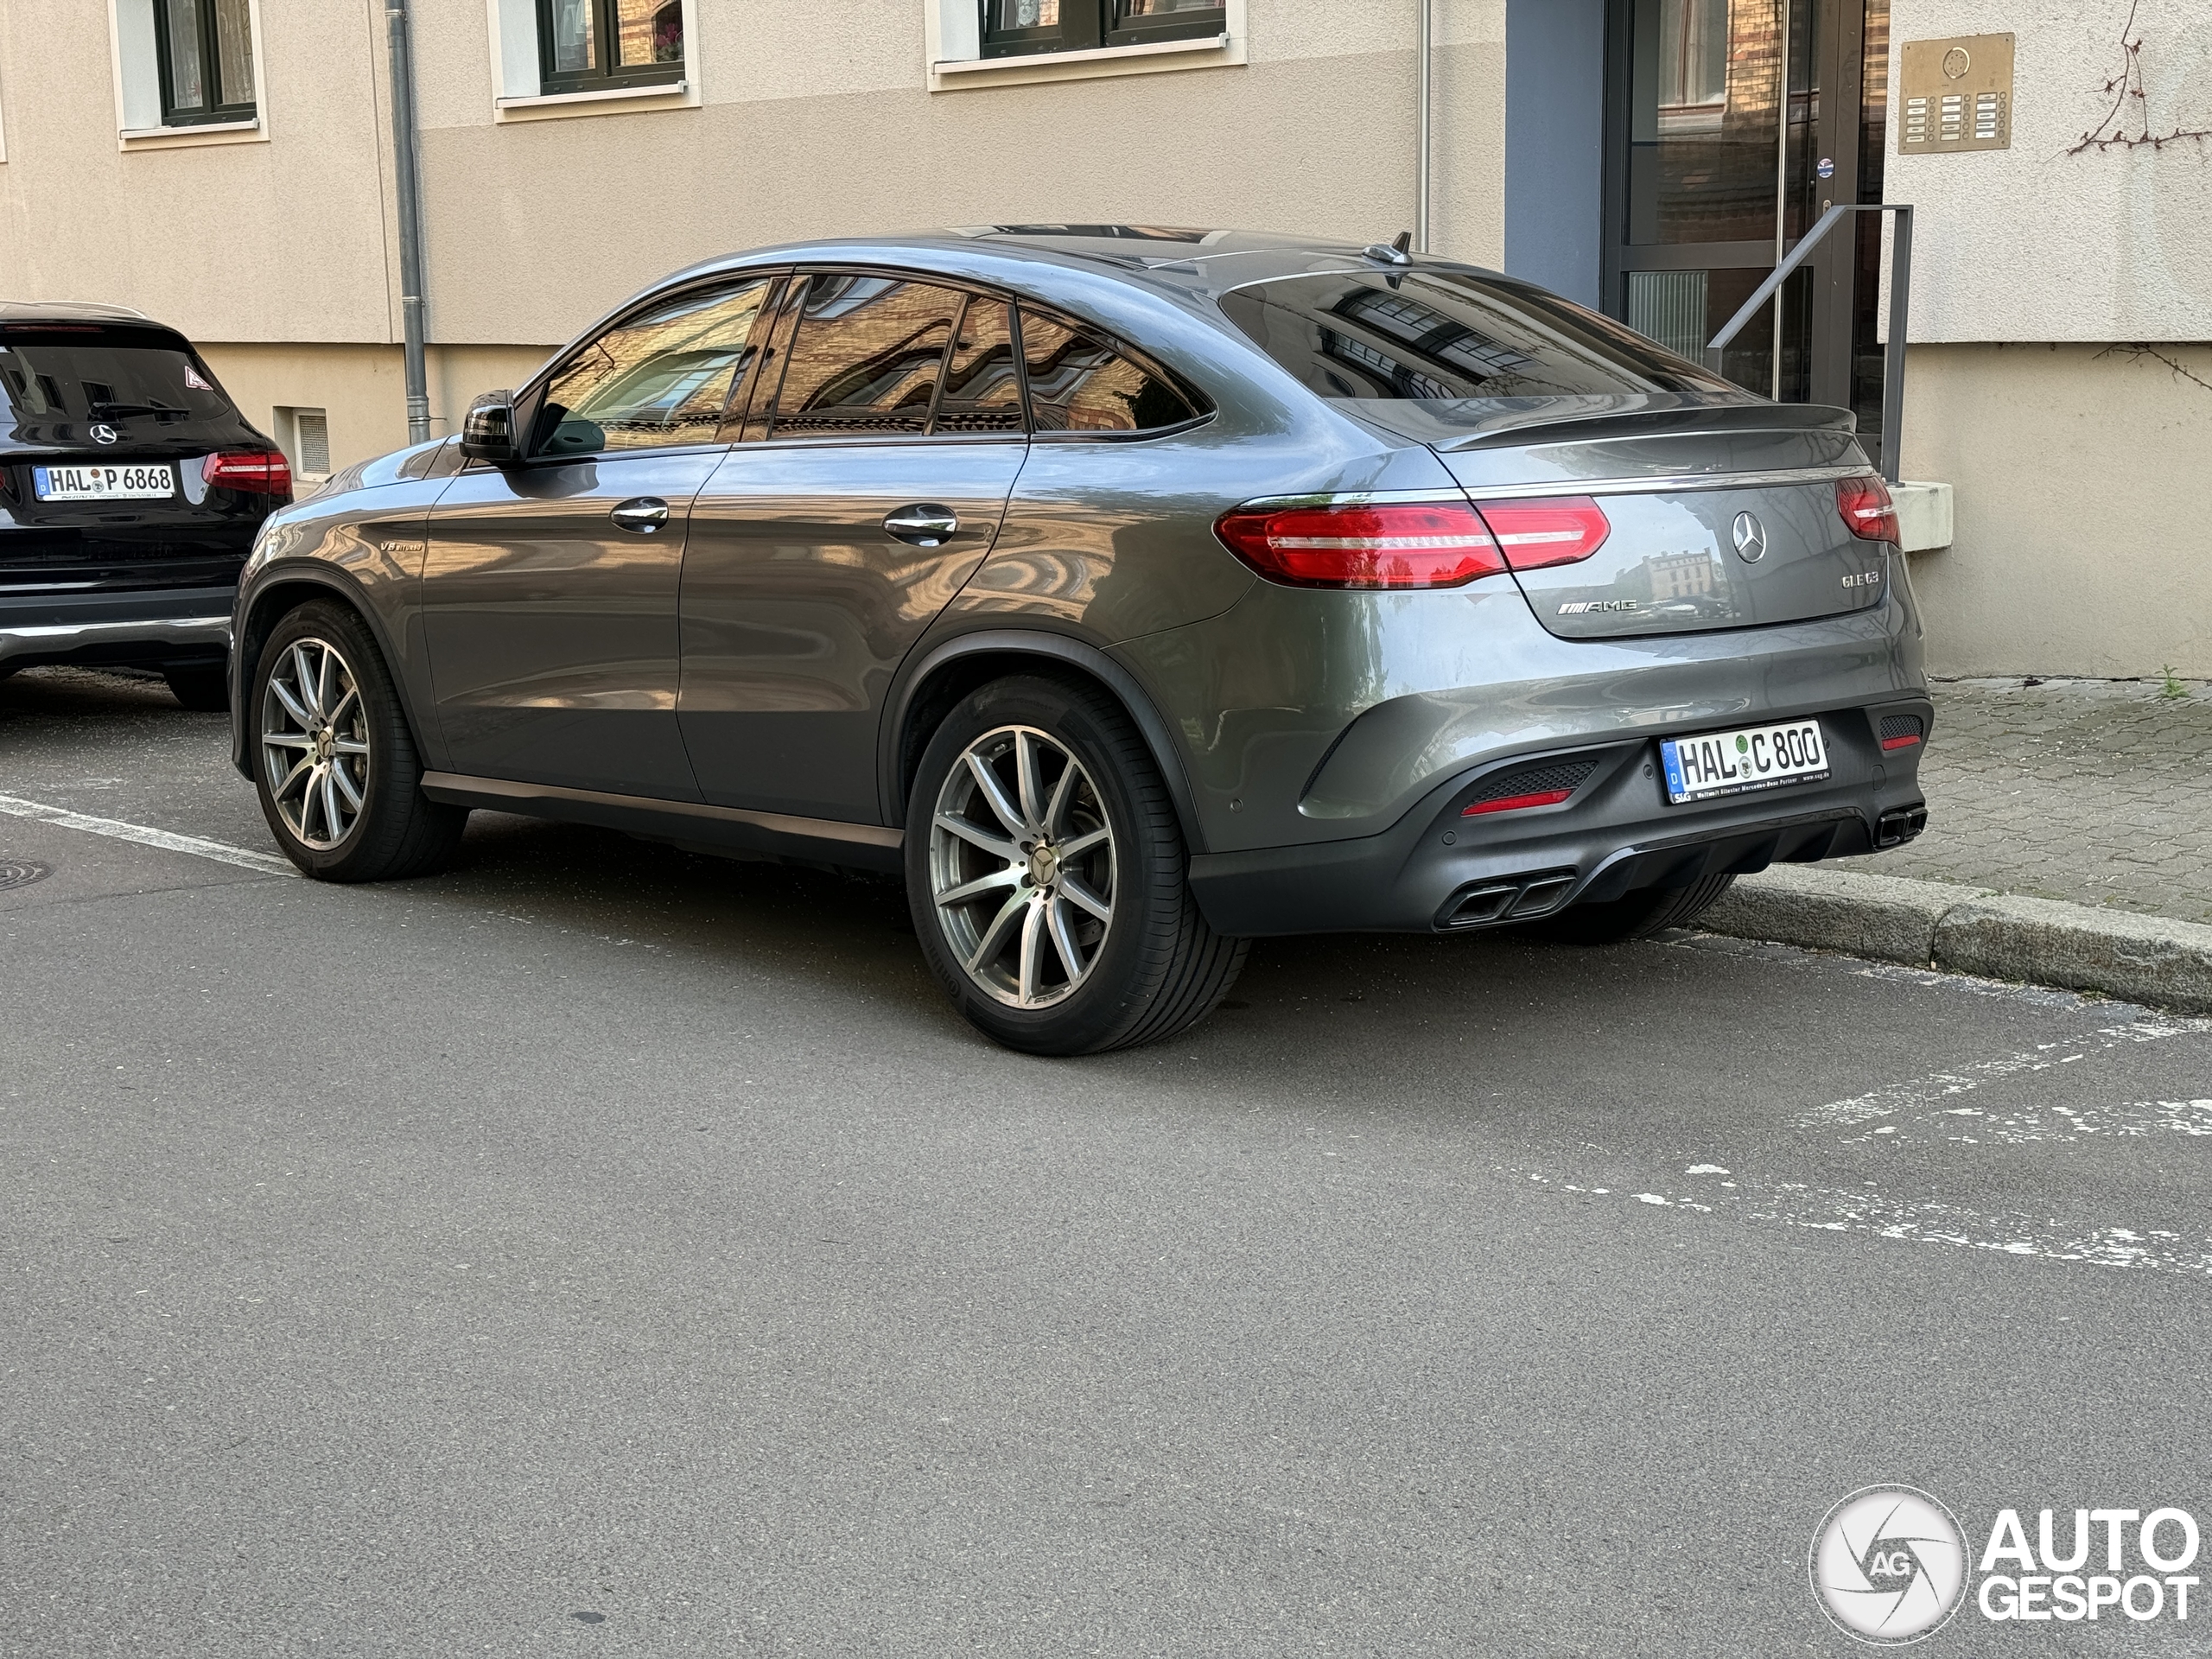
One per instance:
(1134, 592)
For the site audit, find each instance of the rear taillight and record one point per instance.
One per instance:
(1559, 529)
(1385, 545)
(261, 472)
(1866, 508)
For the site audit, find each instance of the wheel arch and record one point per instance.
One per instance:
(281, 593)
(949, 671)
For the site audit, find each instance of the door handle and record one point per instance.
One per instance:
(641, 516)
(925, 524)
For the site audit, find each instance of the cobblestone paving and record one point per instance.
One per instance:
(2097, 792)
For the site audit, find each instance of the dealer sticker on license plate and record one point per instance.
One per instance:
(105, 483)
(1757, 757)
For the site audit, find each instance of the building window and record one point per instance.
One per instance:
(205, 49)
(1019, 27)
(304, 435)
(586, 46)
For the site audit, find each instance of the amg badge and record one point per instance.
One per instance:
(1582, 605)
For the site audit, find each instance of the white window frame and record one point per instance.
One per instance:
(137, 65)
(956, 62)
(515, 72)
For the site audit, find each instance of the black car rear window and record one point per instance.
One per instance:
(89, 371)
(1433, 336)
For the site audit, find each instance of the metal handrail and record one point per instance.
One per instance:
(1900, 292)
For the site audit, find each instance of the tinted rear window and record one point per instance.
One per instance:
(127, 376)
(1079, 383)
(1433, 336)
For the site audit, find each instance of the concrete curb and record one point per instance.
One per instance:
(1974, 930)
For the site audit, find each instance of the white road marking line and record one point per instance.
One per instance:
(1921, 1093)
(1840, 1209)
(168, 840)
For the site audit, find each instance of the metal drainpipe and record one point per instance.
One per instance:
(410, 220)
(1420, 101)
(1781, 188)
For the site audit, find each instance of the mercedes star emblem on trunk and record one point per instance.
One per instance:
(1751, 537)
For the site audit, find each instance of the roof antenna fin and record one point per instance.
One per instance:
(1390, 253)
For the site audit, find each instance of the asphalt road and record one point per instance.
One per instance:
(604, 1250)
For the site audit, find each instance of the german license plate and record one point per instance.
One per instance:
(138, 482)
(1755, 757)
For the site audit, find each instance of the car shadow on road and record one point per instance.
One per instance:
(1342, 1020)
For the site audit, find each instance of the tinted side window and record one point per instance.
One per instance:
(982, 387)
(866, 359)
(1078, 384)
(657, 378)
(1441, 335)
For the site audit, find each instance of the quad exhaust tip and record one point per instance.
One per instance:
(1900, 825)
(1507, 898)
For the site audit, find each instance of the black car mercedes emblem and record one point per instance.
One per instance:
(102, 433)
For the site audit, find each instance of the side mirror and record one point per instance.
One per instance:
(488, 431)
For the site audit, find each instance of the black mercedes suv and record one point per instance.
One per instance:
(131, 488)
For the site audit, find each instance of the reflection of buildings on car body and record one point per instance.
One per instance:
(1637, 155)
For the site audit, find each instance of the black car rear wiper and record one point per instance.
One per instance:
(125, 410)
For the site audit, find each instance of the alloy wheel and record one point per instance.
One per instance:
(1021, 867)
(315, 743)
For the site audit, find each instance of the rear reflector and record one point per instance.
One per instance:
(1516, 803)
(260, 472)
(1559, 529)
(1384, 545)
(1866, 508)
(1908, 740)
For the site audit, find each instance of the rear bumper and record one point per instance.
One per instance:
(159, 625)
(1440, 871)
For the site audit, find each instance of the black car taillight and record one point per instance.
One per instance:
(1396, 544)
(259, 471)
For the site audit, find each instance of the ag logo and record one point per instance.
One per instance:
(102, 432)
(1889, 1565)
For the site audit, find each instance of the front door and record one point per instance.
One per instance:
(864, 492)
(549, 593)
(1737, 123)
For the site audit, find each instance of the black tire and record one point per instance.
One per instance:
(396, 830)
(204, 688)
(1637, 917)
(1156, 968)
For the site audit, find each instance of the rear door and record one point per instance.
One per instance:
(549, 590)
(105, 429)
(869, 481)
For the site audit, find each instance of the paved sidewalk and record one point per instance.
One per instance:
(2094, 791)
(2069, 843)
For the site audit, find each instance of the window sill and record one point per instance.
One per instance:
(209, 133)
(614, 100)
(1205, 52)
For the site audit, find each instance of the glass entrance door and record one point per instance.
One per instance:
(1736, 123)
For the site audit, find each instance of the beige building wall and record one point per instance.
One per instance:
(2082, 474)
(277, 250)
(2080, 469)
